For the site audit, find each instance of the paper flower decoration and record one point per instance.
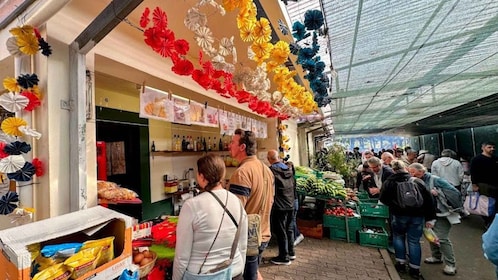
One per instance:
(262, 31)
(144, 19)
(39, 170)
(27, 80)
(313, 19)
(27, 40)
(8, 202)
(226, 46)
(12, 163)
(17, 148)
(247, 32)
(10, 84)
(183, 67)
(5, 138)
(12, 47)
(194, 19)
(13, 102)
(26, 130)
(28, 44)
(33, 100)
(11, 126)
(204, 37)
(24, 174)
(3, 154)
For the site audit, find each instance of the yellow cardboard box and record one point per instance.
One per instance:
(89, 224)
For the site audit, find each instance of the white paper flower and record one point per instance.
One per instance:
(204, 37)
(226, 46)
(194, 19)
(12, 163)
(13, 102)
(26, 130)
(213, 3)
(12, 47)
(218, 62)
(250, 53)
(4, 137)
(276, 96)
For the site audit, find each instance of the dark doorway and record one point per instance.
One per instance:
(126, 136)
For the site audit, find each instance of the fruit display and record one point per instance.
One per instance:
(340, 211)
(312, 186)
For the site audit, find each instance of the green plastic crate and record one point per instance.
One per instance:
(362, 195)
(341, 234)
(373, 209)
(373, 222)
(377, 240)
(340, 222)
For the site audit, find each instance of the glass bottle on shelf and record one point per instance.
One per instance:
(178, 144)
(194, 144)
(215, 144)
(209, 143)
(189, 143)
(220, 145)
(184, 144)
(153, 147)
(199, 144)
(204, 145)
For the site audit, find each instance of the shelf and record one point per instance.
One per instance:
(182, 153)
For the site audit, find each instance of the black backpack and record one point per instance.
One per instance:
(409, 195)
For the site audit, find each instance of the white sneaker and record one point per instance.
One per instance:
(299, 239)
(449, 270)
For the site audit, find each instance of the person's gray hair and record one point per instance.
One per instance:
(374, 161)
(447, 153)
(417, 166)
(398, 166)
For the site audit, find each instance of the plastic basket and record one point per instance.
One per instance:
(340, 222)
(341, 234)
(373, 209)
(373, 222)
(362, 195)
(377, 240)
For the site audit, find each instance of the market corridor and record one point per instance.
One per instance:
(331, 259)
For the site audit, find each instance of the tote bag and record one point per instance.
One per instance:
(253, 234)
(479, 204)
(224, 274)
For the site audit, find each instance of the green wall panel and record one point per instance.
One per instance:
(449, 140)
(430, 142)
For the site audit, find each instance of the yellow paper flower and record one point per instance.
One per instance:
(262, 30)
(280, 52)
(11, 126)
(246, 32)
(28, 44)
(36, 91)
(22, 30)
(262, 49)
(230, 5)
(10, 84)
(250, 9)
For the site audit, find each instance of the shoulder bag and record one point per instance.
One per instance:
(479, 204)
(254, 223)
(224, 269)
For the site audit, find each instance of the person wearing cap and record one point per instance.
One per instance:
(426, 159)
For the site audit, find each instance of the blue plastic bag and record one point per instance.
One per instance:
(129, 275)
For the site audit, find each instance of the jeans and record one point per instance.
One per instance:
(252, 263)
(407, 230)
(442, 230)
(281, 225)
(294, 221)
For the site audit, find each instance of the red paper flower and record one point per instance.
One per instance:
(39, 171)
(37, 33)
(33, 100)
(152, 37)
(201, 78)
(166, 44)
(159, 18)
(183, 67)
(144, 20)
(181, 46)
(3, 154)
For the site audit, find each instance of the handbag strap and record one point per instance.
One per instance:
(263, 201)
(237, 234)
(215, 237)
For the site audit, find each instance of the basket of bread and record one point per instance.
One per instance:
(113, 192)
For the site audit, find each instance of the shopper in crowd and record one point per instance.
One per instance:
(398, 153)
(366, 155)
(387, 158)
(298, 236)
(426, 159)
(356, 153)
(445, 219)
(252, 182)
(448, 168)
(205, 232)
(483, 169)
(407, 223)
(490, 244)
(365, 181)
(282, 210)
(380, 174)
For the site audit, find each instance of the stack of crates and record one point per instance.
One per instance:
(374, 216)
(342, 227)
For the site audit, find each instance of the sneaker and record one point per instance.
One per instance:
(449, 270)
(299, 239)
(415, 274)
(292, 257)
(280, 261)
(433, 260)
(400, 267)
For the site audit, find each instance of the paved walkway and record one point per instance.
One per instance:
(330, 260)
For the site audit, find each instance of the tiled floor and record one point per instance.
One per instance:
(330, 260)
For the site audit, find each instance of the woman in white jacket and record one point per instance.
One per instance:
(200, 219)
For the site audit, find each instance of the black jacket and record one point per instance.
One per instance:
(389, 196)
(285, 185)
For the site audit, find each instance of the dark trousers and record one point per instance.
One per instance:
(281, 224)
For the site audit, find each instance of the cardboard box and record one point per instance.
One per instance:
(89, 224)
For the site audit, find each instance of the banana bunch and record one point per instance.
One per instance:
(318, 187)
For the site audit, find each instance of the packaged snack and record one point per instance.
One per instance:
(62, 251)
(55, 272)
(42, 263)
(83, 261)
(107, 245)
(34, 249)
(431, 236)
